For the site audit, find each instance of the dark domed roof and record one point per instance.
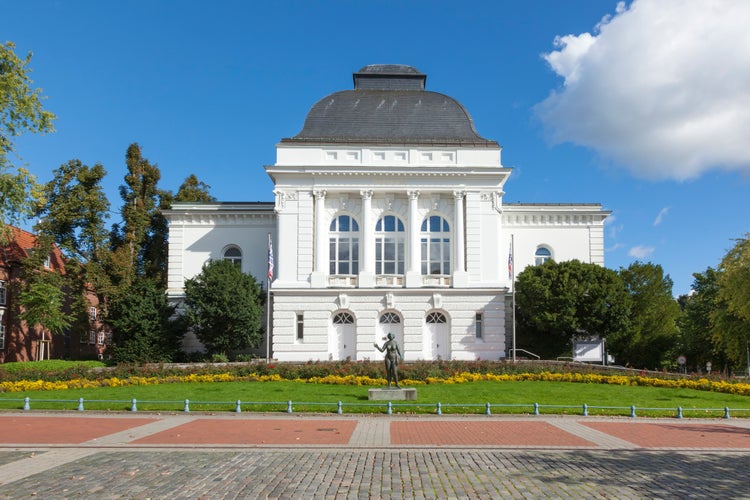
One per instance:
(389, 104)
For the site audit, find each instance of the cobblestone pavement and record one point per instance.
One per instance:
(323, 456)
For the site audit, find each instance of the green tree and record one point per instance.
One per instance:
(193, 190)
(734, 278)
(73, 218)
(43, 304)
(731, 317)
(696, 341)
(20, 111)
(141, 237)
(558, 302)
(650, 341)
(223, 307)
(143, 330)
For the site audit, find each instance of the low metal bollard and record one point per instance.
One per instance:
(536, 408)
(632, 411)
(487, 409)
(726, 412)
(679, 412)
(80, 404)
(389, 409)
(340, 408)
(187, 406)
(238, 407)
(289, 406)
(133, 406)
(439, 410)
(585, 410)
(26, 403)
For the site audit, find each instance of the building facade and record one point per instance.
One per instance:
(388, 218)
(20, 341)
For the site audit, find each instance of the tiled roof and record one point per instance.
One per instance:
(19, 247)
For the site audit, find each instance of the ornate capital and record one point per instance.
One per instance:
(320, 194)
(413, 194)
(459, 195)
(366, 194)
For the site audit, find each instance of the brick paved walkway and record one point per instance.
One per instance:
(93, 455)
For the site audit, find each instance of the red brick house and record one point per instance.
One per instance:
(22, 342)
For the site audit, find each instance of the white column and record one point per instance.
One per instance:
(367, 272)
(460, 277)
(413, 264)
(320, 273)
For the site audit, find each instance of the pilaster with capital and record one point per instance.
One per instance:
(321, 232)
(459, 263)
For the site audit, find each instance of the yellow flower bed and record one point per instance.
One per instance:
(701, 384)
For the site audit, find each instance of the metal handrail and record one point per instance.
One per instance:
(529, 352)
(288, 406)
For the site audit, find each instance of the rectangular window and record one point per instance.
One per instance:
(478, 326)
(300, 326)
(2, 293)
(2, 336)
(92, 313)
(92, 337)
(100, 338)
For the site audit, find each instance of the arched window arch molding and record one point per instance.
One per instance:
(437, 316)
(232, 253)
(343, 317)
(542, 254)
(390, 317)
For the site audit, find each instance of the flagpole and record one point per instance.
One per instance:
(268, 300)
(513, 284)
(268, 322)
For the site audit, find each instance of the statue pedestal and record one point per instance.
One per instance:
(404, 394)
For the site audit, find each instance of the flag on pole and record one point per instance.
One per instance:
(510, 260)
(270, 258)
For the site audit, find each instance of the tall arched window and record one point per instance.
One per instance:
(389, 245)
(344, 245)
(233, 255)
(542, 255)
(436, 246)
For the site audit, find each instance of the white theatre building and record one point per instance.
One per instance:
(388, 217)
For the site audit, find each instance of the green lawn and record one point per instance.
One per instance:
(504, 397)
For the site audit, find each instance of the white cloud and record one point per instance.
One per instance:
(662, 87)
(640, 251)
(662, 213)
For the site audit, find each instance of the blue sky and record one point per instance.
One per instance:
(641, 106)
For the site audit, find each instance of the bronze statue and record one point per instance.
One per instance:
(392, 355)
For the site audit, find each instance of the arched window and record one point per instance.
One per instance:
(343, 319)
(436, 317)
(436, 246)
(233, 255)
(390, 318)
(542, 255)
(389, 245)
(344, 245)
